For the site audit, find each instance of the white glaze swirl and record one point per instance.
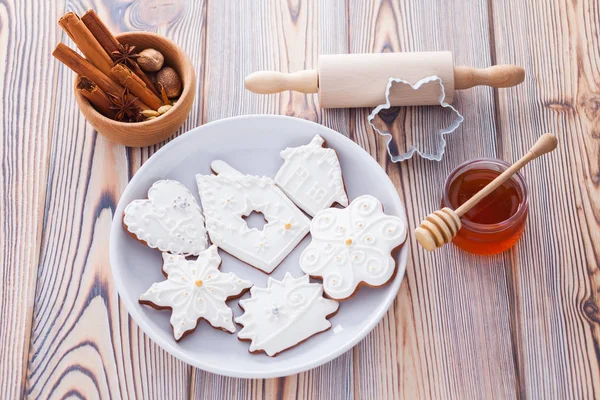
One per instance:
(353, 245)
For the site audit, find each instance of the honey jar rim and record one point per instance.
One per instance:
(517, 179)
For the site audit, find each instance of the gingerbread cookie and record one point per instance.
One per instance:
(195, 290)
(353, 245)
(311, 176)
(169, 220)
(229, 196)
(284, 314)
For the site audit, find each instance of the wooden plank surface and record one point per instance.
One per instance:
(83, 342)
(525, 324)
(554, 275)
(28, 85)
(453, 307)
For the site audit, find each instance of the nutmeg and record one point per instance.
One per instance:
(170, 81)
(150, 60)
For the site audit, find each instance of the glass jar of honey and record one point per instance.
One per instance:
(497, 222)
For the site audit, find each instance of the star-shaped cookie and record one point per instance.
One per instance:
(195, 290)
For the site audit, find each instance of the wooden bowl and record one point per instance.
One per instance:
(146, 133)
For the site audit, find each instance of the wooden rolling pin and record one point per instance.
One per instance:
(359, 80)
(441, 226)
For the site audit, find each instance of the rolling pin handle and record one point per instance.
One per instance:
(498, 76)
(268, 82)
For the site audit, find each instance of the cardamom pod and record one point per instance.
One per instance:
(150, 113)
(164, 109)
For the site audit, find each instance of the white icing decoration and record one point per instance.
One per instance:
(169, 220)
(196, 289)
(229, 196)
(311, 176)
(284, 313)
(338, 329)
(353, 245)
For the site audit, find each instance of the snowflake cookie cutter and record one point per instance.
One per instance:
(437, 156)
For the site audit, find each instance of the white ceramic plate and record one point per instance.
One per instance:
(250, 144)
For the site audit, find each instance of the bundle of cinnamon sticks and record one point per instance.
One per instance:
(109, 75)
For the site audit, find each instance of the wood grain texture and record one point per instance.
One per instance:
(554, 274)
(83, 342)
(28, 84)
(525, 324)
(453, 309)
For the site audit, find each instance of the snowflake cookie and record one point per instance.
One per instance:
(353, 245)
(284, 314)
(169, 220)
(311, 176)
(195, 290)
(229, 196)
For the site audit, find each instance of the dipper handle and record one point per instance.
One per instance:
(269, 82)
(440, 227)
(545, 144)
(498, 76)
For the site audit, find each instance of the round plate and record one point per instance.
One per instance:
(251, 144)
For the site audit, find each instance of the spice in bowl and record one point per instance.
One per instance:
(150, 60)
(112, 76)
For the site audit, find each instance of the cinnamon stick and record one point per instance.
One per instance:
(95, 96)
(83, 67)
(100, 31)
(110, 43)
(163, 94)
(86, 42)
(136, 86)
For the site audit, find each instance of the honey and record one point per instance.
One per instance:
(498, 221)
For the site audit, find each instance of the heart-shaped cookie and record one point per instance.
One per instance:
(169, 220)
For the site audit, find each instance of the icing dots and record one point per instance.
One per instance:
(311, 176)
(169, 220)
(196, 289)
(353, 245)
(284, 314)
(229, 196)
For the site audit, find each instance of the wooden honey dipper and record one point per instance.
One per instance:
(441, 226)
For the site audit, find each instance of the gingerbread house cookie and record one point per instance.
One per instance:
(311, 176)
(229, 196)
(352, 246)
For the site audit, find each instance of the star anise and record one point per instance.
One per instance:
(125, 55)
(139, 118)
(126, 107)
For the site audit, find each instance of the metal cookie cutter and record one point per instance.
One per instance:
(431, 154)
